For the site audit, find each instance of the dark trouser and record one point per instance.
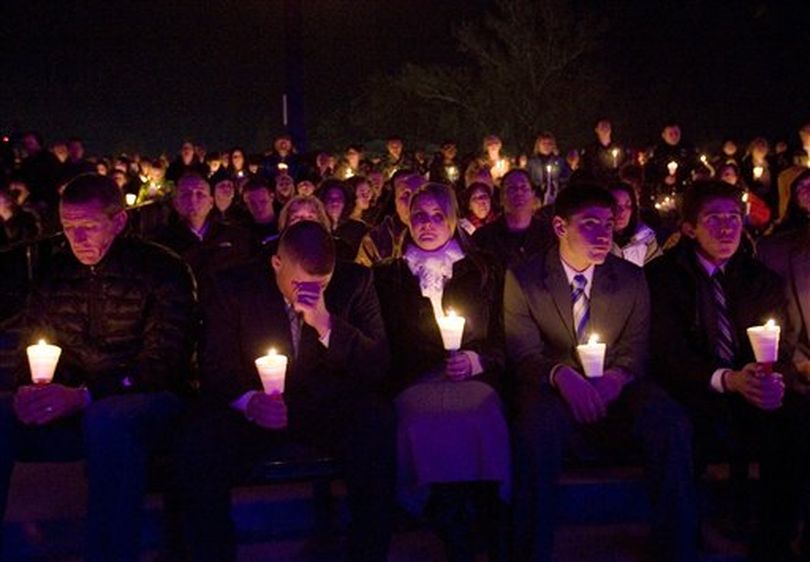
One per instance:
(218, 446)
(643, 416)
(116, 436)
(778, 440)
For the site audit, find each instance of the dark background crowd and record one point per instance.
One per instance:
(357, 189)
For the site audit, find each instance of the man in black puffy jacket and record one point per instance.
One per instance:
(123, 312)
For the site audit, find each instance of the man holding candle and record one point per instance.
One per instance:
(552, 304)
(325, 319)
(122, 312)
(705, 294)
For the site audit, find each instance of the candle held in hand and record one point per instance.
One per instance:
(765, 342)
(592, 357)
(451, 327)
(272, 371)
(42, 359)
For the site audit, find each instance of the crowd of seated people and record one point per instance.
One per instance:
(165, 284)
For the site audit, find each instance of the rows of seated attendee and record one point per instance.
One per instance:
(442, 352)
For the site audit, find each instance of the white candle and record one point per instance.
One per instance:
(451, 327)
(130, 199)
(282, 167)
(272, 371)
(615, 152)
(42, 358)
(672, 167)
(758, 172)
(592, 357)
(765, 341)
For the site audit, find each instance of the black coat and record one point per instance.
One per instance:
(222, 246)
(126, 324)
(682, 347)
(247, 316)
(415, 340)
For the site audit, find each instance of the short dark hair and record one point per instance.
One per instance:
(87, 188)
(310, 245)
(256, 183)
(577, 198)
(697, 196)
(188, 176)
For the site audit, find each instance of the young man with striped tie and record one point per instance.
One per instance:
(552, 304)
(705, 293)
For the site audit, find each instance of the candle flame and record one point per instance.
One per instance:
(703, 158)
(593, 339)
(451, 313)
(770, 324)
(745, 198)
(41, 342)
(272, 351)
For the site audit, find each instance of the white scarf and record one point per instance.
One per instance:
(433, 269)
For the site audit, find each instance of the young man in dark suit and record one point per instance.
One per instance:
(705, 293)
(552, 303)
(326, 320)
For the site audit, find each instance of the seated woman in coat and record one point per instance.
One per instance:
(453, 443)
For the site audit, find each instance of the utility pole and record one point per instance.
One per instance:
(292, 100)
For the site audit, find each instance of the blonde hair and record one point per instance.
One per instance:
(444, 196)
(298, 201)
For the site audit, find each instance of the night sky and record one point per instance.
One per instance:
(144, 75)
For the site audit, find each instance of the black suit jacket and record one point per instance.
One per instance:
(539, 320)
(247, 316)
(683, 354)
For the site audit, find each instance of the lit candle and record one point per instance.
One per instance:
(42, 358)
(349, 173)
(592, 357)
(130, 199)
(672, 167)
(282, 167)
(758, 172)
(272, 371)
(704, 159)
(747, 201)
(451, 327)
(615, 153)
(765, 343)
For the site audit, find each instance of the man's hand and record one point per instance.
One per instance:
(458, 366)
(267, 410)
(309, 302)
(609, 385)
(763, 391)
(585, 401)
(40, 405)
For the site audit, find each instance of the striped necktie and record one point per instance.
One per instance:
(295, 328)
(724, 348)
(581, 309)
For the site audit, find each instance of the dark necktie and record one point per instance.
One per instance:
(295, 328)
(581, 308)
(724, 348)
